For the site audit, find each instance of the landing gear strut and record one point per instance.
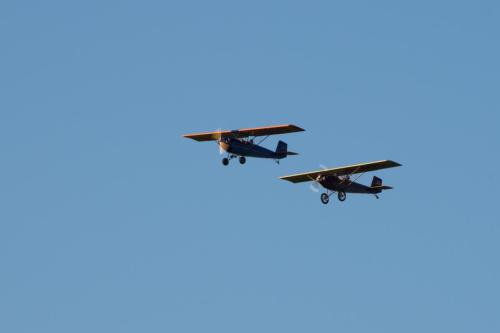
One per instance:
(341, 195)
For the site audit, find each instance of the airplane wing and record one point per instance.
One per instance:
(268, 130)
(245, 132)
(342, 171)
(208, 136)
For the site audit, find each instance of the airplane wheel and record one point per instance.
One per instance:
(342, 196)
(225, 161)
(325, 198)
(242, 159)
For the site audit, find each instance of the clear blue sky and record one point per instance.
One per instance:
(110, 221)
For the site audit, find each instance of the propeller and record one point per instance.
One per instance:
(219, 139)
(316, 186)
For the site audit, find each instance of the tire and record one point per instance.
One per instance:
(225, 161)
(242, 159)
(342, 196)
(325, 198)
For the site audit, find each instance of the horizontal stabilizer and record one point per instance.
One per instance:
(289, 153)
(382, 187)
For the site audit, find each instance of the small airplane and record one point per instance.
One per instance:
(339, 179)
(240, 143)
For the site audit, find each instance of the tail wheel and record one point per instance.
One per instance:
(225, 161)
(325, 198)
(242, 159)
(341, 196)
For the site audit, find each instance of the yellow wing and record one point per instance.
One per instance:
(245, 132)
(208, 136)
(342, 171)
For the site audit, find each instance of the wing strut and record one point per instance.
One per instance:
(264, 139)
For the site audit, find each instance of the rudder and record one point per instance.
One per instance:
(377, 185)
(376, 182)
(282, 148)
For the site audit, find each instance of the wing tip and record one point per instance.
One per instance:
(287, 178)
(190, 136)
(297, 128)
(395, 164)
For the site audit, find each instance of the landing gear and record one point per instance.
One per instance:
(226, 160)
(325, 198)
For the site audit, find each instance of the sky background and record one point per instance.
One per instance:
(110, 221)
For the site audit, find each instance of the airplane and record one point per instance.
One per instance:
(241, 143)
(339, 179)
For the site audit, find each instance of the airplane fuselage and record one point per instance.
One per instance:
(248, 149)
(338, 184)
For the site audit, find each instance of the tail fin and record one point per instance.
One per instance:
(282, 150)
(376, 182)
(378, 186)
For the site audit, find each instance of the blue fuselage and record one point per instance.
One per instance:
(249, 149)
(338, 184)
